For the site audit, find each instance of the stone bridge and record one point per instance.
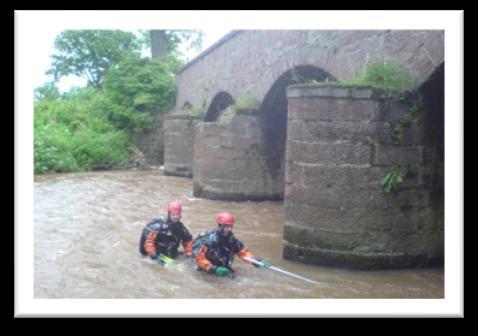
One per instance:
(322, 148)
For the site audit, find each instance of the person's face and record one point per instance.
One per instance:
(226, 229)
(175, 216)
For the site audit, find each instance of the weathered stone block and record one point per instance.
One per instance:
(332, 131)
(295, 130)
(327, 153)
(242, 142)
(330, 109)
(322, 176)
(402, 155)
(240, 123)
(293, 172)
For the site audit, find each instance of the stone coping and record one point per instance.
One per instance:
(338, 90)
(247, 111)
(182, 116)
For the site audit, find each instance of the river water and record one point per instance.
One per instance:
(87, 228)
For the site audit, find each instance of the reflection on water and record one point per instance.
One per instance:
(87, 228)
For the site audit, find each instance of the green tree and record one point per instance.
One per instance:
(91, 53)
(47, 91)
(136, 88)
(94, 126)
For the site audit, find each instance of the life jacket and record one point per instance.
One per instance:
(219, 252)
(166, 242)
(199, 241)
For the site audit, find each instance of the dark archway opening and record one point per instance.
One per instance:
(220, 102)
(432, 93)
(273, 115)
(186, 106)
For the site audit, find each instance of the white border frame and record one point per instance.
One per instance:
(28, 24)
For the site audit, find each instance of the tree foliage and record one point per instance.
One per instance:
(137, 88)
(90, 53)
(71, 134)
(93, 126)
(47, 91)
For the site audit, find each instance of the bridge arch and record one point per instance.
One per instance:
(186, 105)
(219, 103)
(273, 113)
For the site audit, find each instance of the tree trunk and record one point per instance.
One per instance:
(159, 44)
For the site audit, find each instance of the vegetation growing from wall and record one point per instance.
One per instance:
(384, 75)
(227, 114)
(403, 123)
(389, 76)
(392, 180)
(193, 111)
(245, 102)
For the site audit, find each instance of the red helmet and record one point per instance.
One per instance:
(225, 218)
(175, 206)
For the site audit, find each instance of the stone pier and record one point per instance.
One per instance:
(341, 142)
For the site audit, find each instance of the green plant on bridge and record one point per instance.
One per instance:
(392, 180)
(246, 102)
(395, 177)
(372, 142)
(227, 114)
(385, 75)
(400, 125)
(196, 112)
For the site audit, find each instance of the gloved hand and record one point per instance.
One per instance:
(265, 263)
(221, 271)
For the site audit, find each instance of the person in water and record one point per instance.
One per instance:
(162, 236)
(214, 251)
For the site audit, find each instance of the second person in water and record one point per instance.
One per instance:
(215, 251)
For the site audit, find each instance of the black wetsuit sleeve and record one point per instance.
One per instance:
(237, 245)
(185, 235)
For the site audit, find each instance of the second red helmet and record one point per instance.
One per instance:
(225, 218)
(175, 207)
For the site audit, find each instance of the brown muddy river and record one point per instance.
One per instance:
(87, 228)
